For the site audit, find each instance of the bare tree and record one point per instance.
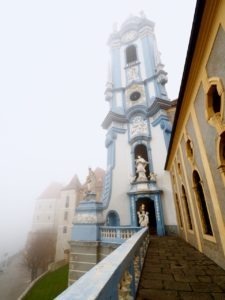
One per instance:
(40, 251)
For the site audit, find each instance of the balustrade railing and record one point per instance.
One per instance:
(112, 234)
(116, 276)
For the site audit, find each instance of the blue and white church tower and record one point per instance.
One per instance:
(138, 128)
(138, 124)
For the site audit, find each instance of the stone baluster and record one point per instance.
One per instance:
(137, 268)
(124, 289)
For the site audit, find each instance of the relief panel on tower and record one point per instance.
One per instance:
(133, 73)
(129, 36)
(138, 126)
(135, 94)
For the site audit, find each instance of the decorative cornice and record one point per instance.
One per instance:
(160, 104)
(139, 138)
(160, 120)
(111, 116)
(89, 206)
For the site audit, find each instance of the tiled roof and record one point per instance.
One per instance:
(52, 191)
(74, 184)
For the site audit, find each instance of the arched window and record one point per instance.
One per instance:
(214, 99)
(179, 212)
(205, 220)
(141, 150)
(187, 211)
(189, 149)
(131, 54)
(113, 219)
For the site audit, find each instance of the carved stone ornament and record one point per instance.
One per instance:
(138, 126)
(129, 36)
(86, 218)
(132, 73)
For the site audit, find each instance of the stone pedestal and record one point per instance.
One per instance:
(85, 255)
(90, 196)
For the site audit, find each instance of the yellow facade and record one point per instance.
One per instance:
(196, 157)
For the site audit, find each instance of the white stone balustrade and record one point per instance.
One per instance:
(112, 234)
(116, 276)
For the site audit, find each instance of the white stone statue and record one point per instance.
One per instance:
(91, 182)
(143, 216)
(141, 163)
(152, 176)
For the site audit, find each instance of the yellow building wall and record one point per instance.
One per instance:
(195, 123)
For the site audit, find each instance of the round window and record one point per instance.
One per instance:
(135, 96)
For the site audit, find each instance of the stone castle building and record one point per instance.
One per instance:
(55, 208)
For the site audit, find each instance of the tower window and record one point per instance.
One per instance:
(184, 197)
(64, 229)
(205, 220)
(131, 54)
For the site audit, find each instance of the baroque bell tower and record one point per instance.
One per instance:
(138, 125)
(138, 128)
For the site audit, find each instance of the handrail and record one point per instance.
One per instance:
(116, 276)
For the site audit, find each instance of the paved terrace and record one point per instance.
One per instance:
(175, 270)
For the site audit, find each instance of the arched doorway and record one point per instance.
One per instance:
(150, 208)
(113, 218)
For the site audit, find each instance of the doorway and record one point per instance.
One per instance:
(149, 206)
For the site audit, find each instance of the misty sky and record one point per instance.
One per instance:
(53, 66)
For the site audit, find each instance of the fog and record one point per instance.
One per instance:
(53, 66)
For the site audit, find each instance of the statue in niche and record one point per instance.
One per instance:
(143, 216)
(91, 182)
(141, 163)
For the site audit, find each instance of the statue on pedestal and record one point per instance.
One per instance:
(91, 182)
(141, 163)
